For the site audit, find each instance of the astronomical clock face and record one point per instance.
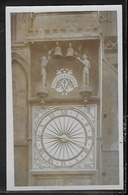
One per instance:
(63, 136)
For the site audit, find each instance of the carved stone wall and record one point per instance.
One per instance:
(110, 153)
(66, 180)
(110, 170)
(110, 107)
(66, 25)
(20, 24)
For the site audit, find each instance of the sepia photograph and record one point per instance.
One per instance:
(64, 97)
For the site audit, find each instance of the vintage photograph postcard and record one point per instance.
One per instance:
(64, 98)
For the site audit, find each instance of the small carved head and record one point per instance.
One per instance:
(43, 58)
(84, 57)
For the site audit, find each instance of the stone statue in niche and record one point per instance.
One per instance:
(43, 92)
(85, 90)
(44, 62)
(86, 68)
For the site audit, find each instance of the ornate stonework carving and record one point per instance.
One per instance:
(64, 82)
(90, 110)
(37, 162)
(110, 43)
(89, 163)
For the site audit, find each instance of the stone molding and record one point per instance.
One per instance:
(32, 100)
(110, 65)
(63, 172)
(63, 33)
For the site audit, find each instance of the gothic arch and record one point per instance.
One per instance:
(16, 57)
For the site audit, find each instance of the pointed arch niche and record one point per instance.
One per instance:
(20, 117)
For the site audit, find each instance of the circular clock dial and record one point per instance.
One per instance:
(64, 137)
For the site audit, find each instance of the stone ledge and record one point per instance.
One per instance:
(19, 45)
(36, 99)
(33, 39)
(63, 172)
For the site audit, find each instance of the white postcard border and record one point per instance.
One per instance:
(9, 99)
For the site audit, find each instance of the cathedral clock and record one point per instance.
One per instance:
(64, 137)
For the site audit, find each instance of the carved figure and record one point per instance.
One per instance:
(44, 62)
(86, 68)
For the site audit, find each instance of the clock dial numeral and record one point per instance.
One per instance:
(41, 151)
(63, 164)
(85, 125)
(76, 160)
(64, 112)
(50, 161)
(51, 115)
(38, 136)
(77, 114)
(86, 150)
(37, 139)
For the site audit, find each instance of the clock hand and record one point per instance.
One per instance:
(63, 137)
(52, 136)
(66, 138)
(79, 145)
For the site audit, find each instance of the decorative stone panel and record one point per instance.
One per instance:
(64, 138)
